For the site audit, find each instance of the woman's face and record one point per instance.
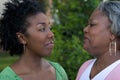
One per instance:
(97, 33)
(40, 37)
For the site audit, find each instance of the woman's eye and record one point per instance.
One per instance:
(91, 25)
(42, 29)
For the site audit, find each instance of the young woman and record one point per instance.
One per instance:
(25, 30)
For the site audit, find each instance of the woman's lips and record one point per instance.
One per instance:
(85, 39)
(50, 44)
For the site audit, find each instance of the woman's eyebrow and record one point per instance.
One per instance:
(41, 23)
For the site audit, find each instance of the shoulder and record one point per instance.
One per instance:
(8, 74)
(114, 74)
(57, 66)
(83, 67)
(60, 72)
(4, 75)
(85, 64)
(6, 71)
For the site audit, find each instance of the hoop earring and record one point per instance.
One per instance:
(112, 48)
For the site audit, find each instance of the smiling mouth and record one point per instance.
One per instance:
(85, 38)
(50, 44)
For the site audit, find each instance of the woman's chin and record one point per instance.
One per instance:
(85, 47)
(48, 53)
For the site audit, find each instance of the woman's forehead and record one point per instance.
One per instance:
(97, 14)
(40, 18)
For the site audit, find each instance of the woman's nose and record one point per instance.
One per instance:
(50, 34)
(86, 29)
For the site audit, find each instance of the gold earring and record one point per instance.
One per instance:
(112, 48)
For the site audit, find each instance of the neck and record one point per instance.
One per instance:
(29, 63)
(107, 59)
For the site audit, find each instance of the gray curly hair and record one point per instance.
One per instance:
(112, 10)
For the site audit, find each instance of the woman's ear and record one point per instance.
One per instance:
(21, 37)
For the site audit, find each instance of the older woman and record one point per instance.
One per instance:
(25, 30)
(102, 40)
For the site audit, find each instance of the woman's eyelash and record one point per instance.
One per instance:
(91, 24)
(42, 29)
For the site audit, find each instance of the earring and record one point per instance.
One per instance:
(24, 48)
(112, 48)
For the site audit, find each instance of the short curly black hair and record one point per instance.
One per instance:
(14, 20)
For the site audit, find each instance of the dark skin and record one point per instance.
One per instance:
(96, 42)
(34, 70)
(103, 62)
(38, 44)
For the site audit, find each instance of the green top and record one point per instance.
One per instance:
(9, 74)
